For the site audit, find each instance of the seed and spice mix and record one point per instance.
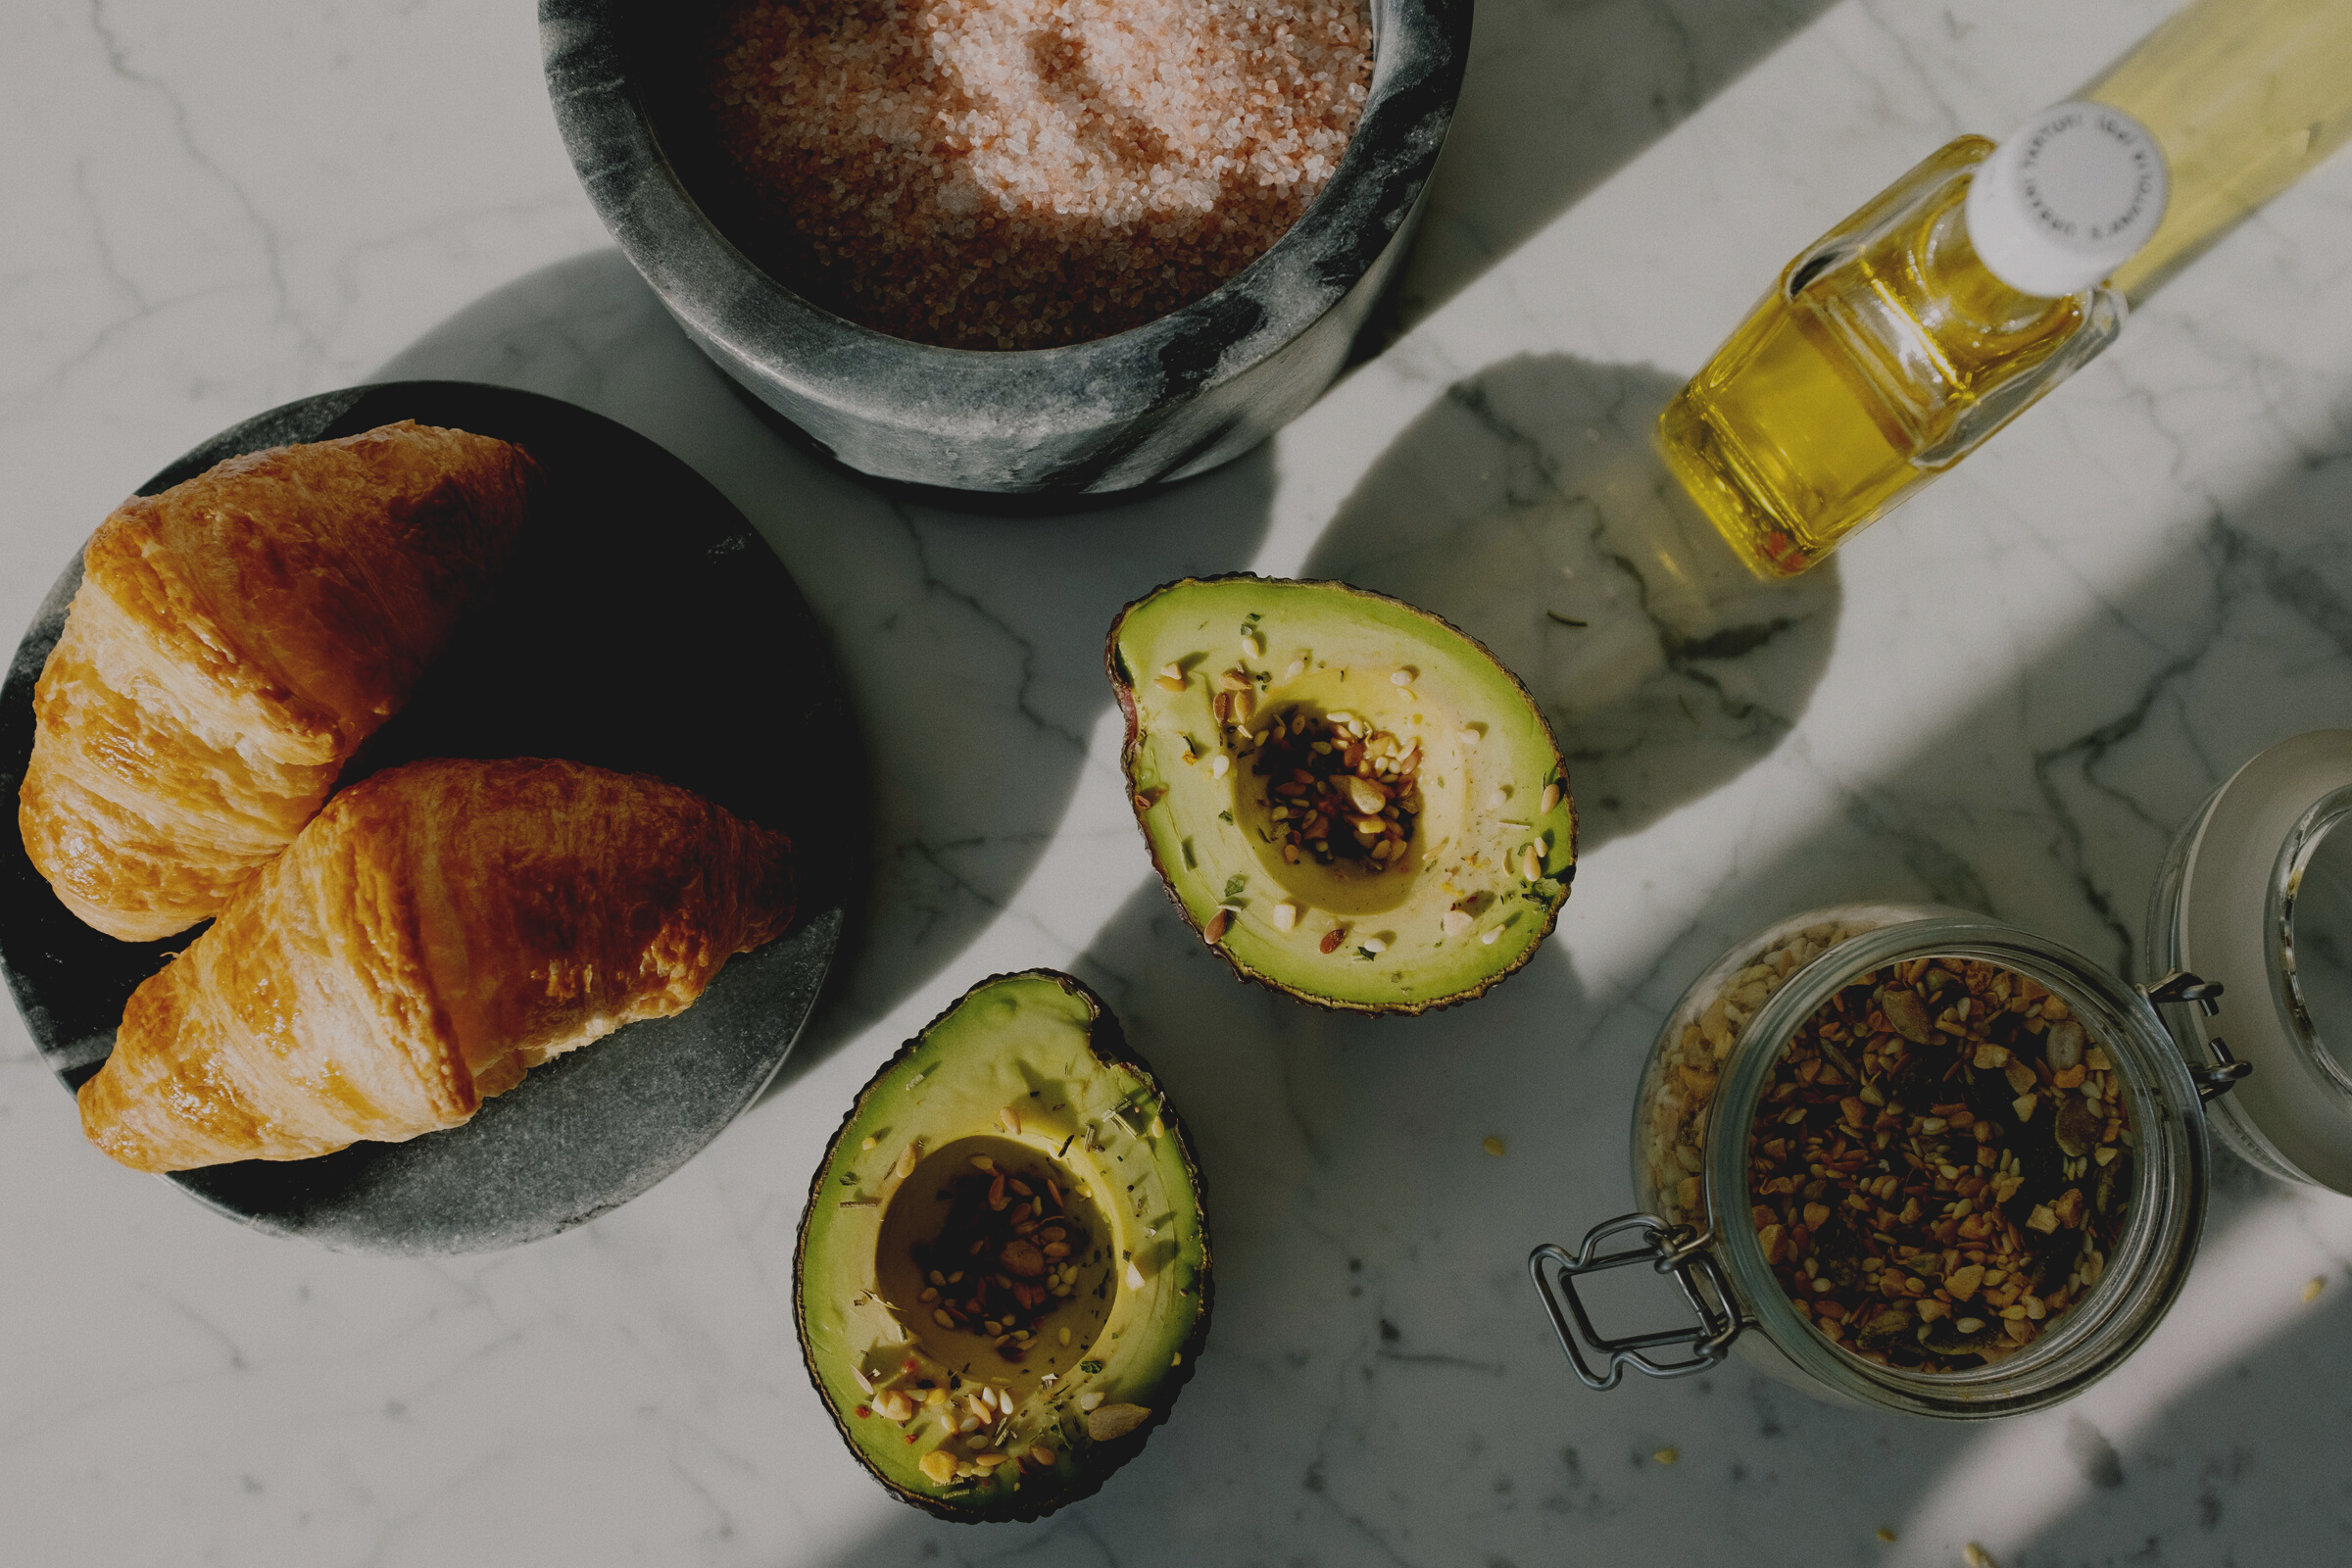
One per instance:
(1941, 1162)
(1009, 1256)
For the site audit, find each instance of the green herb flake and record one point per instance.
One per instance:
(1234, 885)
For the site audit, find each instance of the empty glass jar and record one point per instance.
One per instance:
(2257, 896)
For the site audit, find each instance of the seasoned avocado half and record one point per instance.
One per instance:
(1004, 1273)
(1347, 797)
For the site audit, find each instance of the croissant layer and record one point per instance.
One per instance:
(233, 641)
(435, 932)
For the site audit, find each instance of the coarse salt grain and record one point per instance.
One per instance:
(1023, 173)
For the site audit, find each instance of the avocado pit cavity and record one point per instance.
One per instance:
(1336, 789)
(997, 1262)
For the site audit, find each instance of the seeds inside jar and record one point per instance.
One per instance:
(1940, 1165)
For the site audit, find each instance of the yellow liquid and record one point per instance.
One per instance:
(1832, 403)
(2243, 96)
(1776, 448)
(1828, 404)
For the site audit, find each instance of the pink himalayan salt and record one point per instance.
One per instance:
(1021, 173)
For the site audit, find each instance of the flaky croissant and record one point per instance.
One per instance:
(435, 932)
(233, 641)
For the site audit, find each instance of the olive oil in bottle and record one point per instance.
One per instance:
(1905, 337)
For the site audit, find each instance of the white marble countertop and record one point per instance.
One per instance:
(2005, 697)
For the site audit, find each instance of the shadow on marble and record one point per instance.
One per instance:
(1557, 97)
(1380, 1385)
(2178, 1485)
(1528, 506)
(972, 646)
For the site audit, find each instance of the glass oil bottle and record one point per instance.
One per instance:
(1898, 342)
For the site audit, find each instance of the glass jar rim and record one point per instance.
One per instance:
(2148, 1261)
(2325, 816)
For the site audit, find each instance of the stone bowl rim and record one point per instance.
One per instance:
(1420, 51)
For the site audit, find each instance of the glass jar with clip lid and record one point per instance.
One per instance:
(1908, 1157)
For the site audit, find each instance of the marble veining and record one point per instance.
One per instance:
(2007, 697)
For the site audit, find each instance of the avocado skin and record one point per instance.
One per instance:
(1123, 688)
(1107, 1043)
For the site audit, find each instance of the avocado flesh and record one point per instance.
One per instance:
(1487, 756)
(1085, 1113)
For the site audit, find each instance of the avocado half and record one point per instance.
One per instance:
(1349, 798)
(1002, 1278)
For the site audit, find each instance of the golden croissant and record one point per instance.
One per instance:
(435, 932)
(232, 642)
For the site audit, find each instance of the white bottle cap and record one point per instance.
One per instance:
(2067, 198)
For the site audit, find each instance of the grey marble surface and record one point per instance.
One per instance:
(2005, 697)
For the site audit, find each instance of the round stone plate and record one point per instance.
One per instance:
(643, 626)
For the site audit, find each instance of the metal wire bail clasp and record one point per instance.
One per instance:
(1672, 1249)
(2205, 995)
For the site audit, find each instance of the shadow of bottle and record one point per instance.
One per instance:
(1528, 506)
(972, 646)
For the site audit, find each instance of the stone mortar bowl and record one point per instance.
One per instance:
(1172, 398)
